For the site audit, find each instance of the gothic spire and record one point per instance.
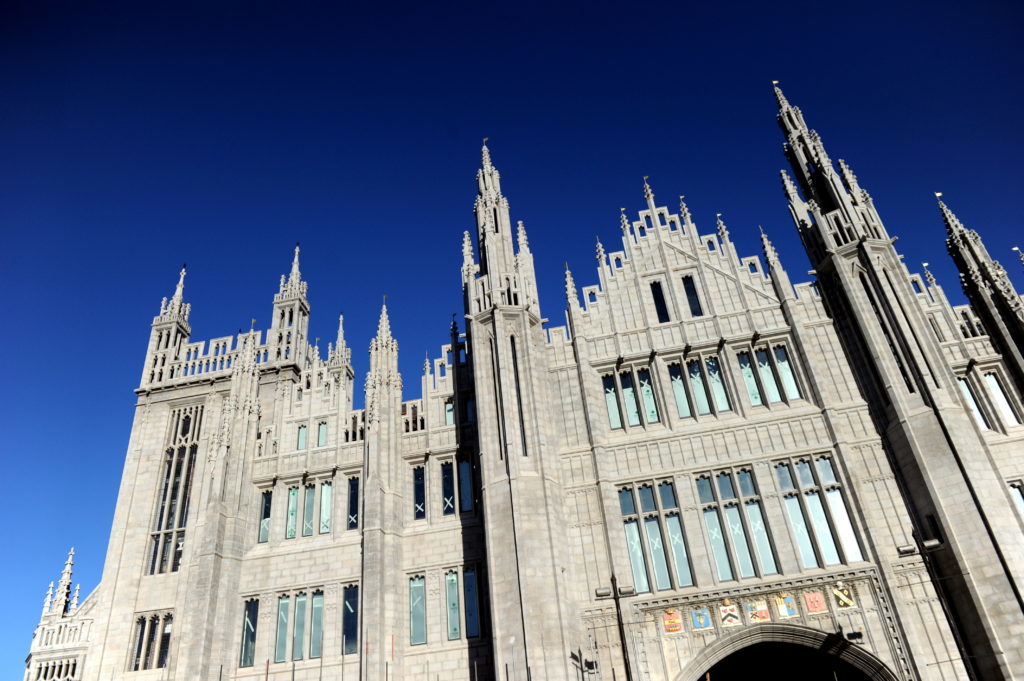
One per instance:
(175, 309)
(524, 244)
(723, 231)
(179, 290)
(60, 605)
(649, 195)
(600, 250)
(623, 220)
(48, 600)
(485, 154)
(295, 274)
(684, 211)
(571, 296)
(779, 97)
(953, 225)
(384, 324)
(292, 286)
(771, 256)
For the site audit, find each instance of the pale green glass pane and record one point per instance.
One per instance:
(762, 544)
(785, 476)
(661, 578)
(293, 512)
(718, 549)
(417, 611)
(803, 471)
(822, 532)
(299, 634)
(968, 394)
(611, 402)
(677, 543)
(281, 648)
(738, 536)
(825, 470)
(675, 373)
(307, 510)
(995, 388)
(764, 369)
(747, 371)
(646, 493)
(717, 384)
(449, 413)
(326, 494)
(841, 517)
(301, 443)
(316, 625)
(629, 399)
(636, 557)
(786, 373)
(801, 533)
(1018, 498)
(725, 488)
(746, 483)
(451, 583)
(700, 394)
(321, 435)
(647, 394)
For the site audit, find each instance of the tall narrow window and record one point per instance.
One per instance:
(447, 488)
(451, 588)
(350, 620)
(659, 302)
(697, 388)
(691, 297)
(281, 644)
(326, 494)
(316, 625)
(265, 500)
(747, 371)
(419, 498)
(633, 544)
(353, 504)
(291, 521)
(828, 538)
(417, 611)
(308, 509)
(140, 642)
(629, 398)
(786, 373)
(472, 603)
(675, 374)
(170, 517)
(299, 631)
(611, 401)
(643, 376)
(1006, 410)
(735, 524)
(300, 440)
(449, 412)
(972, 404)
(250, 618)
(465, 486)
(165, 642)
(717, 384)
(321, 434)
(771, 386)
(1017, 494)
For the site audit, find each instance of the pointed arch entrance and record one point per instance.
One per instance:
(787, 651)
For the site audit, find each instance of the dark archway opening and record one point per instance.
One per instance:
(772, 660)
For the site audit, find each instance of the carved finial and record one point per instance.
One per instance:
(623, 220)
(295, 275)
(179, 290)
(779, 97)
(953, 225)
(485, 154)
(648, 194)
(48, 599)
(74, 598)
(770, 254)
(723, 231)
(426, 363)
(600, 250)
(789, 186)
(929, 277)
(684, 210)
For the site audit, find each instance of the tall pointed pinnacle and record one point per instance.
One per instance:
(63, 597)
(770, 254)
(179, 290)
(426, 362)
(649, 195)
(74, 598)
(779, 97)
(1020, 254)
(524, 244)
(175, 309)
(571, 297)
(623, 220)
(48, 600)
(953, 224)
(600, 250)
(384, 324)
(929, 277)
(485, 154)
(295, 274)
(684, 211)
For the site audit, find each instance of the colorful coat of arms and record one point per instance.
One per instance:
(757, 611)
(785, 605)
(700, 618)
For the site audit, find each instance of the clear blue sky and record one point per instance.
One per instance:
(133, 139)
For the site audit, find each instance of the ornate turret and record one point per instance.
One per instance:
(988, 288)
(62, 600)
(169, 332)
(290, 325)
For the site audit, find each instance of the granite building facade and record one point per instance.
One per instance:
(708, 467)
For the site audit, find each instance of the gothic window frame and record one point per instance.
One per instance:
(173, 491)
(152, 637)
(247, 641)
(349, 595)
(643, 400)
(418, 490)
(819, 500)
(296, 619)
(973, 396)
(1016, 488)
(744, 546)
(784, 393)
(418, 615)
(1010, 413)
(646, 520)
